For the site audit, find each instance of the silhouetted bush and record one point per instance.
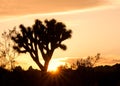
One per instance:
(83, 76)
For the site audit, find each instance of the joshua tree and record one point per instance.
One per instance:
(41, 37)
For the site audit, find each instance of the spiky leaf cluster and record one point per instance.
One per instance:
(44, 37)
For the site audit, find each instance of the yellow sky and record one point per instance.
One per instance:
(95, 23)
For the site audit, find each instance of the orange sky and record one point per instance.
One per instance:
(95, 23)
(22, 7)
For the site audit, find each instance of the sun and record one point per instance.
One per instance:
(53, 65)
(52, 68)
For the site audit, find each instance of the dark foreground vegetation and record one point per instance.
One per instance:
(82, 76)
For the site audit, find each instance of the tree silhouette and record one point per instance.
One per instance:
(90, 61)
(7, 53)
(41, 37)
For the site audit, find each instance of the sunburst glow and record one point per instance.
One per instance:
(54, 64)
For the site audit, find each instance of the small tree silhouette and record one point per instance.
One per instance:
(41, 37)
(7, 53)
(90, 61)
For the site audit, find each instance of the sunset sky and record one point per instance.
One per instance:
(95, 25)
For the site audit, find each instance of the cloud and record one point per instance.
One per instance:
(22, 7)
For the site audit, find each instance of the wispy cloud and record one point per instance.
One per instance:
(21, 7)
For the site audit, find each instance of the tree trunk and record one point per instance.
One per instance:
(46, 65)
(43, 68)
(40, 65)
